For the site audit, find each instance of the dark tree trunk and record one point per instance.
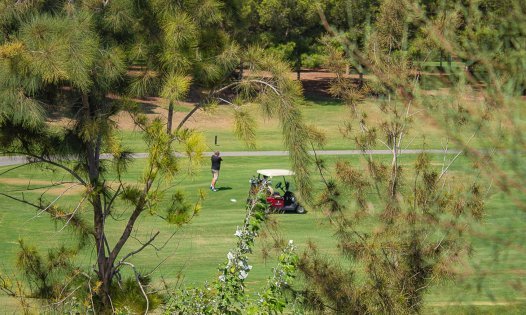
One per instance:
(170, 117)
(298, 67)
(93, 147)
(360, 79)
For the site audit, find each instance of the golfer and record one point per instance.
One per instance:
(216, 165)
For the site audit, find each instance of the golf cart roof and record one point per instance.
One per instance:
(275, 172)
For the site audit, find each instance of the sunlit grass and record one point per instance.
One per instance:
(196, 250)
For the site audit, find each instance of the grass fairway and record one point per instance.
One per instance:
(328, 116)
(197, 249)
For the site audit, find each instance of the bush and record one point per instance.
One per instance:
(314, 60)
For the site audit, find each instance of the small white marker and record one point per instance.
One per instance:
(233, 200)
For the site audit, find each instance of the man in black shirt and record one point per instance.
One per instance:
(216, 165)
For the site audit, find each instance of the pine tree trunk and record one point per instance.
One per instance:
(170, 117)
(298, 67)
(92, 153)
(360, 82)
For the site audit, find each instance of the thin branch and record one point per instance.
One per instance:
(223, 100)
(4, 286)
(199, 105)
(105, 239)
(111, 303)
(110, 203)
(410, 142)
(444, 171)
(267, 84)
(62, 194)
(21, 200)
(59, 302)
(418, 111)
(90, 293)
(137, 250)
(181, 123)
(489, 189)
(47, 187)
(453, 160)
(18, 166)
(159, 264)
(44, 160)
(139, 208)
(157, 248)
(385, 144)
(67, 284)
(445, 154)
(440, 243)
(140, 285)
(74, 212)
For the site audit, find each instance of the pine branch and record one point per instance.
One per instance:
(131, 254)
(42, 159)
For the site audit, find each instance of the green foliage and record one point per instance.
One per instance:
(397, 223)
(128, 298)
(176, 87)
(180, 210)
(312, 61)
(413, 231)
(274, 298)
(79, 53)
(227, 294)
(119, 16)
(284, 51)
(161, 158)
(45, 276)
(144, 84)
(245, 126)
(230, 287)
(60, 49)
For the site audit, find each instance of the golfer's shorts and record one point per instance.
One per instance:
(215, 173)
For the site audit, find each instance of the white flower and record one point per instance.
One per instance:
(230, 256)
(243, 275)
(222, 278)
(238, 232)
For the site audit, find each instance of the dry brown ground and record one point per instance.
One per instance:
(315, 85)
(48, 187)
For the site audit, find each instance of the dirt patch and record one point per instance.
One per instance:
(315, 84)
(43, 186)
(65, 190)
(155, 107)
(48, 187)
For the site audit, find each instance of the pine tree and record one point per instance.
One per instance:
(400, 227)
(74, 58)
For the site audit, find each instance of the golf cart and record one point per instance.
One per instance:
(283, 201)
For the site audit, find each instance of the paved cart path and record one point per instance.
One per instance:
(14, 160)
